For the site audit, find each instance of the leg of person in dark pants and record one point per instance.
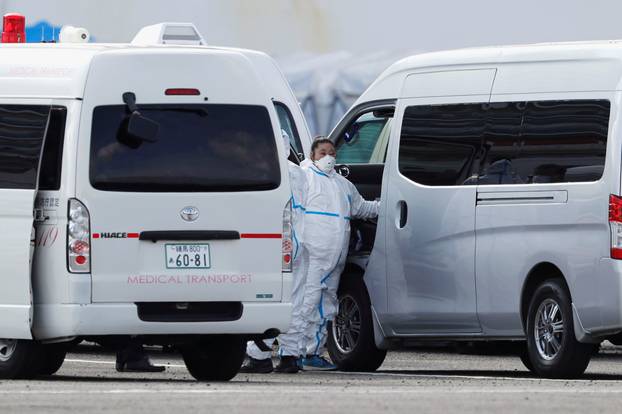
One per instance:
(133, 358)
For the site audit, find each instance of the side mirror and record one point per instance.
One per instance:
(141, 128)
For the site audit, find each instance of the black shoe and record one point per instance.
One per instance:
(288, 365)
(138, 365)
(257, 366)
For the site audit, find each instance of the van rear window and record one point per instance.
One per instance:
(198, 148)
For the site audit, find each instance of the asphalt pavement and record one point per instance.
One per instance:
(414, 381)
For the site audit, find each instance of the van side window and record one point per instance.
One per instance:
(52, 160)
(289, 125)
(501, 143)
(440, 145)
(365, 141)
(563, 141)
(21, 134)
(505, 142)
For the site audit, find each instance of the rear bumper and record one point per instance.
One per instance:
(60, 321)
(598, 310)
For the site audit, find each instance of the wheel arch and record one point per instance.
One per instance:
(355, 270)
(538, 274)
(352, 270)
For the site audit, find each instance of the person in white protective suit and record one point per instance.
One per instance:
(332, 201)
(260, 352)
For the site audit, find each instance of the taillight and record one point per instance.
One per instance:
(78, 238)
(182, 91)
(287, 238)
(615, 223)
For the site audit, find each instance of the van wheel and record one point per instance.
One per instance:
(51, 358)
(217, 359)
(351, 342)
(553, 349)
(16, 358)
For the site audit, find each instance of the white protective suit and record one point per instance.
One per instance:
(332, 201)
(290, 342)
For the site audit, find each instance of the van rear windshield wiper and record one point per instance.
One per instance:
(136, 128)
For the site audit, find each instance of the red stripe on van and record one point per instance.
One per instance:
(96, 235)
(261, 236)
(132, 235)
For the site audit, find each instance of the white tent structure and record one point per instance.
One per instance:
(327, 85)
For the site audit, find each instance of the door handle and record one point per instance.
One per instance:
(343, 170)
(403, 213)
(189, 235)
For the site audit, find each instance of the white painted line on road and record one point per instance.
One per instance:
(450, 376)
(87, 361)
(280, 390)
(388, 374)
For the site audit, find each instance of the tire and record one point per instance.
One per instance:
(217, 359)
(348, 350)
(557, 353)
(523, 354)
(51, 358)
(17, 358)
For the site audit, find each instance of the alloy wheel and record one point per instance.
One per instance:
(549, 329)
(347, 325)
(7, 348)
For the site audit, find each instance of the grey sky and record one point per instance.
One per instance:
(289, 26)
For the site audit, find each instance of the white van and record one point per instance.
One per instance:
(160, 193)
(501, 219)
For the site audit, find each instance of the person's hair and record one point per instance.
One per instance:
(317, 141)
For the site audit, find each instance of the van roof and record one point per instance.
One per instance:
(388, 84)
(512, 53)
(57, 70)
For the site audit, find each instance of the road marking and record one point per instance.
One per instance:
(450, 376)
(390, 374)
(279, 390)
(87, 361)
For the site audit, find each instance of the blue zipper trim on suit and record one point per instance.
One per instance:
(350, 203)
(295, 205)
(297, 244)
(322, 213)
(318, 337)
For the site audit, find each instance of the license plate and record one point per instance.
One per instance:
(187, 256)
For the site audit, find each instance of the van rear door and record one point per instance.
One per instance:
(196, 214)
(22, 131)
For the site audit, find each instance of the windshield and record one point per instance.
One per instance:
(198, 148)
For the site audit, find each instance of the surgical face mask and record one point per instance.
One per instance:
(326, 163)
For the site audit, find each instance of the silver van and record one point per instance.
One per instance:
(501, 218)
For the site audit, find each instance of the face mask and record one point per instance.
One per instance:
(326, 164)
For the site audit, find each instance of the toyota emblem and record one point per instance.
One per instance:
(189, 213)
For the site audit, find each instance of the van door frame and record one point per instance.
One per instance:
(16, 307)
(366, 170)
(418, 316)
